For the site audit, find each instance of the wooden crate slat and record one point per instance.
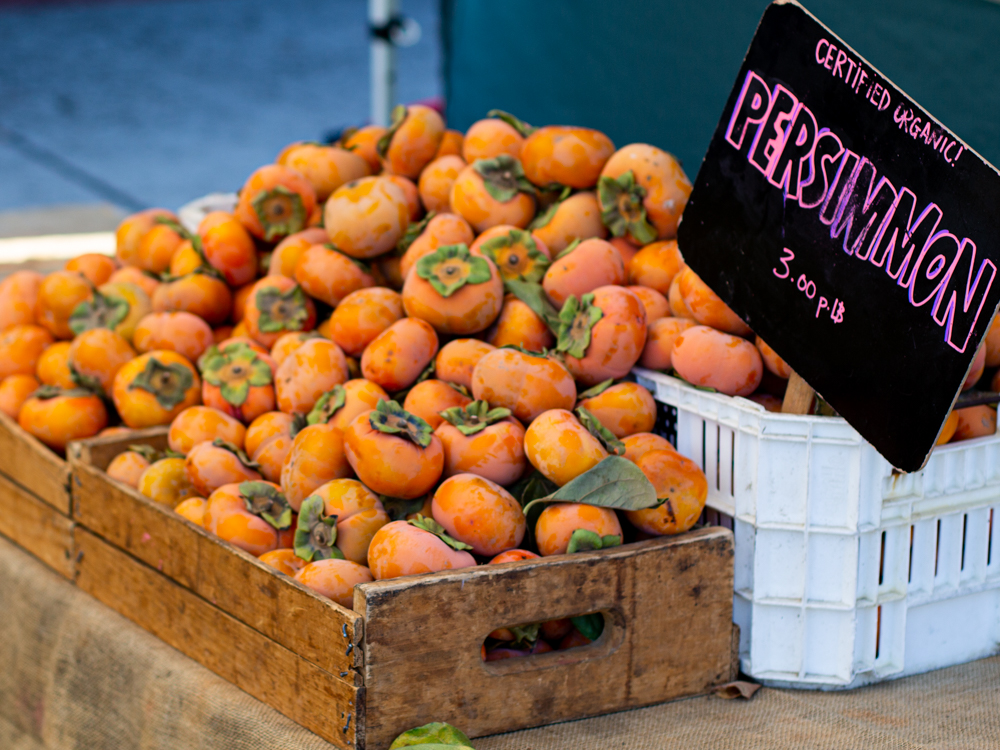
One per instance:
(668, 634)
(236, 652)
(37, 527)
(34, 466)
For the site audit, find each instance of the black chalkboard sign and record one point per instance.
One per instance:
(851, 230)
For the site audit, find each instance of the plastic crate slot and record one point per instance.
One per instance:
(937, 548)
(909, 570)
(878, 631)
(732, 464)
(965, 531)
(718, 457)
(881, 562)
(989, 541)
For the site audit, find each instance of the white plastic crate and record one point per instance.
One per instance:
(847, 572)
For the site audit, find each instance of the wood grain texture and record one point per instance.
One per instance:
(799, 396)
(99, 451)
(668, 634)
(37, 527)
(33, 465)
(238, 583)
(316, 699)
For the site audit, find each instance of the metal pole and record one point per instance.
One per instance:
(383, 61)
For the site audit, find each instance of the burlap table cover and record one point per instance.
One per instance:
(74, 674)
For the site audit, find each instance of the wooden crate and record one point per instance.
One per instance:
(409, 653)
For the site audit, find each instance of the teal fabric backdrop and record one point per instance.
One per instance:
(659, 72)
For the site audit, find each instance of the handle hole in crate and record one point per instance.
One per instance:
(517, 648)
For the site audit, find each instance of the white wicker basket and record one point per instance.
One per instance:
(847, 572)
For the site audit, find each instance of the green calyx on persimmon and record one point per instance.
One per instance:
(281, 212)
(414, 230)
(475, 417)
(451, 267)
(503, 177)
(238, 452)
(585, 540)
(281, 311)
(398, 115)
(100, 311)
(148, 452)
(327, 405)
(576, 319)
(168, 383)
(234, 370)
(429, 524)
(392, 419)
(516, 256)
(606, 437)
(597, 390)
(267, 502)
(622, 210)
(316, 534)
(523, 128)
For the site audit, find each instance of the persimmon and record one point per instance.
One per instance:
(640, 443)
(625, 408)
(325, 167)
(277, 305)
(519, 325)
(96, 268)
(250, 515)
(518, 255)
(288, 343)
(429, 398)
(704, 356)
(560, 447)
(116, 431)
(317, 455)
(14, 391)
(573, 639)
(58, 295)
(412, 140)
(479, 513)
(514, 555)
(53, 366)
(128, 466)
(678, 307)
(356, 513)
(458, 358)
(397, 356)
(947, 430)
(401, 549)
(115, 305)
(441, 229)
(19, 298)
(451, 145)
(654, 303)
(228, 247)
(334, 579)
(773, 403)
(564, 155)
(414, 208)
(329, 275)
(186, 259)
(707, 307)
(556, 524)
(275, 201)
(132, 275)
(603, 334)
(181, 332)
(774, 363)
(340, 405)
(367, 217)
(488, 138)
(270, 456)
(361, 316)
(56, 416)
(238, 381)
(263, 428)
(394, 452)
(975, 369)
(656, 265)
(973, 422)
(158, 246)
(436, 180)
(681, 488)
(456, 292)
(21, 346)
(283, 559)
(527, 383)
(493, 191)
(198, 424)
(625, 249)
(201, 294)
(660, 339)
(643, 191)
(286, 253)
(591, 264)
(577, 217)
(364, 143)
(483, 441)
(154, 388)
(132, 230)
(991, 342)
(96, 356)
(310, 371)
(212, 464)
(221, 333)
(166, 481)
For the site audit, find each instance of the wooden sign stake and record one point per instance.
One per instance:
(799, 397)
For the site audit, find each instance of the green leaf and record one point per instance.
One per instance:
(611, 444)
(516, 256)
(615, 482)
(475, 417)
(532, 487)
(569, 248)
(281, 212)
(148, 452)
(451, 267)
(590, 626)
(534, 297)
(576, 319)
(238, 452)
(545, 217)
(399, 508)
(429, 524)
(46, 392)
(316, 533)
(584, 540)
(299, 423)
(525, 634)
(327, 405)
(87, 383)
(706, 388)
(175, 225)
(398, 115)
(100, 311)
(268, 502)
(432, 736)
(414, 230)
(390, 418)
(168, 383)
(622, 209)
(597, 390)
(503, 177)
(281, 311)
(523, 128)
